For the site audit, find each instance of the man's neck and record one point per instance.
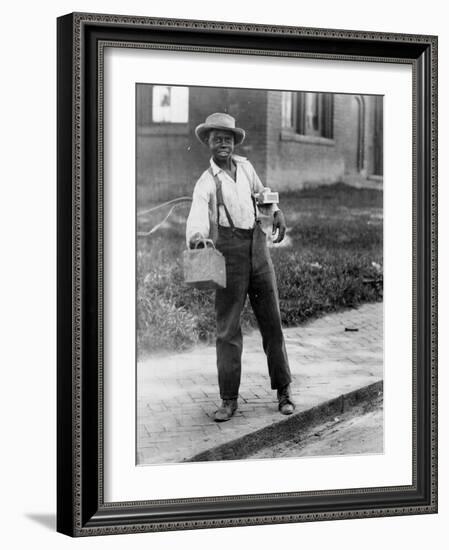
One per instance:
(225, 164)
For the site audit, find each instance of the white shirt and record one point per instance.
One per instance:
(236, 195)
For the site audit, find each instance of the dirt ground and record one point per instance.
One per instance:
(359, 431)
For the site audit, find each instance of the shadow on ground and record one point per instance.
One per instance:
(46, 520)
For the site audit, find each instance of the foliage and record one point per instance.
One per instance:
(332, 260)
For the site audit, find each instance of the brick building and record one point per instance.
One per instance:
(293, 139)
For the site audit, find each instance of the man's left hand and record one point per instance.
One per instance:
(279, 225)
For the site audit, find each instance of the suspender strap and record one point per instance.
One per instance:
(220, 201)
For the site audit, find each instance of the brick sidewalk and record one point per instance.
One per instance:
(177, 394)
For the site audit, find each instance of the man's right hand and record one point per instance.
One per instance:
(194, 239)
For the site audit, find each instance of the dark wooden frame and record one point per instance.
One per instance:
(81, 509)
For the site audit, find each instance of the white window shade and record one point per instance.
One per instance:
(287, 110)
(170, 104)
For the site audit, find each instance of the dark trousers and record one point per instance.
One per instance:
(249, 271)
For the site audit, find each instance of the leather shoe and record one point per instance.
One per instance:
(226, 410)
(286, 404)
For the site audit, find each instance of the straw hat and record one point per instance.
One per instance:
(219, 121)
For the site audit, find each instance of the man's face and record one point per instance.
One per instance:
(221, 144)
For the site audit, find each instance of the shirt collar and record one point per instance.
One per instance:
(216, 169)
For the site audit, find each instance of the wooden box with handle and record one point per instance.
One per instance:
(204, 266)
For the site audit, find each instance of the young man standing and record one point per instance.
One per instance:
(224, 208)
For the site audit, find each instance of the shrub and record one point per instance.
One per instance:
(161, 323)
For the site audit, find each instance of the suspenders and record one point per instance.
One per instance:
(220, 201)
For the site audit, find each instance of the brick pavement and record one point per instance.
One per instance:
(177, 394)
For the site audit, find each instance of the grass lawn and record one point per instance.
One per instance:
(332, 250)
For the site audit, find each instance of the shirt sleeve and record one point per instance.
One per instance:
(198, 219)
(256, 187)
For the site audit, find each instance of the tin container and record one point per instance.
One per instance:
(267, 197)
(204, 266)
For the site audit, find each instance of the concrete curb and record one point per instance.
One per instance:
(285, 429)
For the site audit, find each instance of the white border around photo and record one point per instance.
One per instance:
(123, 480)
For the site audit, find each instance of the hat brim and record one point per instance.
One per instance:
(202, 130)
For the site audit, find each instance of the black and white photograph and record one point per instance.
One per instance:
(259, 274)
(223, 295)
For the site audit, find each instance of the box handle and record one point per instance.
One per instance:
(206, 243)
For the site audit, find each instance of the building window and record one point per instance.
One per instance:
(287, 110)
(308, 113)
(170, 104)
(378, 167)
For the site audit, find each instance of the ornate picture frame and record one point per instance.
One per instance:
(81, 508)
